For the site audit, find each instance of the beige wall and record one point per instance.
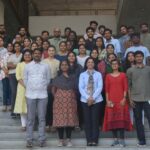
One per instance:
(1, 13)
(77, 23)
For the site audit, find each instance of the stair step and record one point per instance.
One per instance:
(21, 135)
(80, 143)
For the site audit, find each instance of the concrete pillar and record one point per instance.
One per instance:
(1, 12)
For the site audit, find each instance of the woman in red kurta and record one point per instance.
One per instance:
(117, 118)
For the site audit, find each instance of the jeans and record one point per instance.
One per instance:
(13, 88)
(139, 107)
(6, 92)
(40, 106)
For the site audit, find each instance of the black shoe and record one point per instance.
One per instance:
(13, 115)
(141, 144)
(29, 144)
(42, 144)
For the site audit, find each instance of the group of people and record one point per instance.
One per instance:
(90, 82)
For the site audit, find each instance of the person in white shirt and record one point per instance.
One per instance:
(36, 80)
(81, 58)
(135, 37)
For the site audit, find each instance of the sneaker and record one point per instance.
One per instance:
(47, 128)
(29, 144)
(53, 129)
(42, 144)
(9, 108)
(4, 109)
(23, 129)
(116, 142)
(122, 143)
(69, 143)
(77, 129)
(141, 144)
(60, 143)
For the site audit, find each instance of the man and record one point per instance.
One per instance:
(135, 38)
(90, 42)
(94, 25)
(36, 80)
(101, 29)
(131, 30)
(45, 35)
(22, 31)
(139, 93)
(3, 34)
(56, 39)
(145, 35)
(124, 39)
(110, 40)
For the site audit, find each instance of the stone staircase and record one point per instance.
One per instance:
(12, 138)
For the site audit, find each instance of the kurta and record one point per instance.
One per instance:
(116, 117)
(65, 103)
(20, 105)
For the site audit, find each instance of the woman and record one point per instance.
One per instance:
(69, 46)
(80, 41)
(64, 106)
(45, 47)
(81, 58)
(34, 45)
(73, 38)
(90, 87)
(54, 68)
(111, 57)
(12, 62)
(76, 69)
(20, 105)
(39, 41)
(26, 43)
(110, 49)
(100, 67)
(62, 54)
(5, 81)
(129, 61)
(101, 48)
(99, 64)
(117, 117)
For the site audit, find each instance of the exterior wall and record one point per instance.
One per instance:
(77, 23)
(1, 12)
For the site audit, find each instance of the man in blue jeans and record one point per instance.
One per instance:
(139, 94)
(36, 80)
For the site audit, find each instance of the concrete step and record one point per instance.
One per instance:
(18, 135)
(86, 148)
(9, 122)
(77, 143)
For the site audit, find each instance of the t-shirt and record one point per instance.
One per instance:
(138, 48)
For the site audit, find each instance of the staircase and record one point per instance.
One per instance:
(12, 138)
